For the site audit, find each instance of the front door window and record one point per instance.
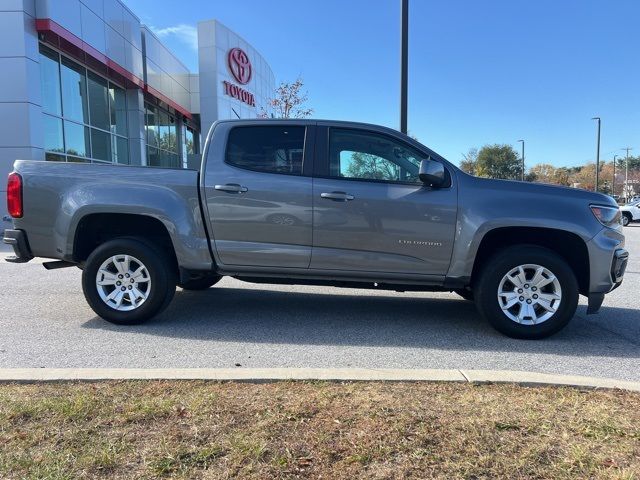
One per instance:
(367, 156)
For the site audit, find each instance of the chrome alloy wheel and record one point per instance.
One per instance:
(123, 282)
(529, 294)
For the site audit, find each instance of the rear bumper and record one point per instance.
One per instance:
(18, 240)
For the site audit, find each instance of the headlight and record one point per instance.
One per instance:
(607, 216)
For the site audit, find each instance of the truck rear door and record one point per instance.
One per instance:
(258, 193)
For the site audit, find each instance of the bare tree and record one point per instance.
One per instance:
(468, 164)
(289, 101)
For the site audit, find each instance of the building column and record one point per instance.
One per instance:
(135, 126)
(208, 76)
(181, 133)
(20, 98)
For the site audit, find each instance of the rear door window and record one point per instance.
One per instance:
(269, 149)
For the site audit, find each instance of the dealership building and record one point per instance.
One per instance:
(85, 81)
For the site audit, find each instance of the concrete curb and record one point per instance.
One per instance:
(32, 375)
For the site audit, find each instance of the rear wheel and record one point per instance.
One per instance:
(201, 283)
(127, 281)
(626, 219)
(527, 292)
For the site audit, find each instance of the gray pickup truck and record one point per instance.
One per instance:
(319, 203)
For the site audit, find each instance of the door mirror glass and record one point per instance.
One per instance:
(432, 172)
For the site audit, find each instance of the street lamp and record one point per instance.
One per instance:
(522, 141)
(404, 63)
(613, 185)
(597, 153)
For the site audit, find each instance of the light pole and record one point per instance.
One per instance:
(522, 142)
(597, 153)
(613, 185)
(404, 63)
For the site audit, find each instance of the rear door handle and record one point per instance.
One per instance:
(337, 196)
(231, 188)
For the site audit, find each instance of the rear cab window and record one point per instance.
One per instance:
(268, 149)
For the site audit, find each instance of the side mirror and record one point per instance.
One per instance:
(432, 173)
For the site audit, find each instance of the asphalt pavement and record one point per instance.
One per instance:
(45, 323)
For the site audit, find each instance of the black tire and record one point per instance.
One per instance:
(201, 283)
(464, 293)
(626, 219)
(486, 291)
(160, 270)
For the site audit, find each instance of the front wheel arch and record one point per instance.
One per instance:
(568, 245)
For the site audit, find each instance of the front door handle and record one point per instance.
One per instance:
(231, 188)
(337, 196)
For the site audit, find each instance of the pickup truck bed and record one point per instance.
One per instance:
(64, 200)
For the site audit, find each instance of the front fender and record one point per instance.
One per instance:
(466, 247)
(486, 205)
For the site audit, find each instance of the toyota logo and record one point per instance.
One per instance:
(239, 65)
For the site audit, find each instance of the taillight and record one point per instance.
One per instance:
(14, 195)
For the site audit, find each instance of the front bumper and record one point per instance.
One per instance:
(619, 265)
(607, 264)
(18, 240)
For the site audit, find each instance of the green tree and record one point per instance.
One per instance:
(634, 163)
(498, 161)
(365, 165)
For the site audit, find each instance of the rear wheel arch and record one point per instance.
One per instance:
(95, 229)
(567, 245)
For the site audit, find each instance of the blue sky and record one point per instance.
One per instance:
(480, 72)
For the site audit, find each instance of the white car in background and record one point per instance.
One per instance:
(630, 212)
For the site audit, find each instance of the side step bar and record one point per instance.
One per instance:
(57, 264)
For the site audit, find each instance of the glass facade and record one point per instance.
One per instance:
(85, 119)
(85, 116)
(162, 138)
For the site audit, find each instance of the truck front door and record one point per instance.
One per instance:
(372, 213)
(257, 195)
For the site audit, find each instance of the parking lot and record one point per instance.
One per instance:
(45, 322)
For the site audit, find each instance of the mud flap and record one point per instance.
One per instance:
(595, 301)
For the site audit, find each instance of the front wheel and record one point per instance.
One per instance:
(127, 281)
(527, 292)
(626, 219)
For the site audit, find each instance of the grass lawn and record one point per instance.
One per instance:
(151, 429)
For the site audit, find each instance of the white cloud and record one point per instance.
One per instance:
(187, 34)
